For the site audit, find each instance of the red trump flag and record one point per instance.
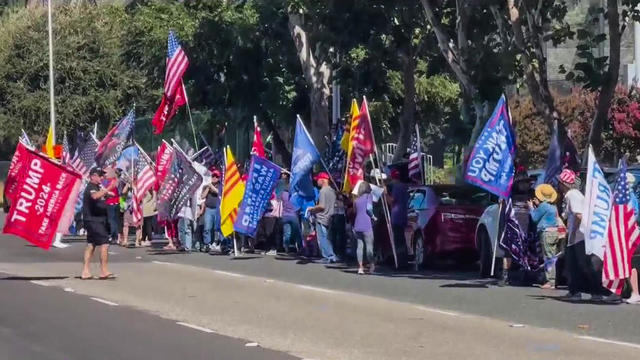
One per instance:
(43, 199)
(361, 142)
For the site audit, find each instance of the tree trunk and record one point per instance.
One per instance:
(407, 120)
(611, 78)
(317, 76)
(279, 145)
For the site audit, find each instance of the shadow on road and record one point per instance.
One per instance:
(568, 301)
(465, 286)
(30, 278)
(235, 258)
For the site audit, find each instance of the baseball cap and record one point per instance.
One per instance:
(96, 170)
(215, 173)
(322, 176)
(567, 176)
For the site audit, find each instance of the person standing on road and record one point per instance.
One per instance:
(545, 215)
(398, 198)
(113, 205)
(95, 222)
(291, 231)
(323, 212)
(212, 233)
(149, 212)
(363, 226)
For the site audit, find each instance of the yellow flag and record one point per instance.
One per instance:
(48, 145)
(232, 193)
(355, 115)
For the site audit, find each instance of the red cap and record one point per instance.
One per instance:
(568, 176)
(322, 176)
(395, 174)
(215, 172)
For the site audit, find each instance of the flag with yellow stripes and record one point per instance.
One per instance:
(349, 135)
(232, 193)
(49, 144)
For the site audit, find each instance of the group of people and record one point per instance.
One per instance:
(331, 227)
(556, 213)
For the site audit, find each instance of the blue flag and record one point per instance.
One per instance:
(263, 176)
(491, 163)
(304, 156)
(554, 164)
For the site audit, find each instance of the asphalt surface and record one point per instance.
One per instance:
(47, 323)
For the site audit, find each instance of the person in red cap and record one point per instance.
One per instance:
(323, 212)
(212, 198)
(580, 269)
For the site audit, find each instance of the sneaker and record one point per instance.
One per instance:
(612, 299)
(573, 296)
(360, 271)
(597, 298)
(634, 299)
(271, 253)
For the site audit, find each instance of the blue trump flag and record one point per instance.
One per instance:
(263, 176)
(304, 156)
(491, 163)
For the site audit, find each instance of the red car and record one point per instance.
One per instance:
(442, 223)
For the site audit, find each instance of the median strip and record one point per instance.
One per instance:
(196, 327)
(106, 302)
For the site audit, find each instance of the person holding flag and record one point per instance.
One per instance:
(323, 212)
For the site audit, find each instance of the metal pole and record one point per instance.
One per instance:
(52, 111)
(636, 51)
(193, 130)
(419, 144)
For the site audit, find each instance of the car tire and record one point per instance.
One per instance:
(484, 244)
(418, 252)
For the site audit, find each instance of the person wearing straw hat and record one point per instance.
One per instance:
(544, 214)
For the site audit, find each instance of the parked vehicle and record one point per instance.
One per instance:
(442, 223)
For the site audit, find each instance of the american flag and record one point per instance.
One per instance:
(205, 157)
(177, 63)
(66, 155)
(622, 236)
(136, 210)
(415, 159)
(145, 175)
(85, 156)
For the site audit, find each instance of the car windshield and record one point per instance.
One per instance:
(424, 198)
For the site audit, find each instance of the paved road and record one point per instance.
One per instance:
(47, 323)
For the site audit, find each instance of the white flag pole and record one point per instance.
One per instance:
(52, 110)
(193, 130)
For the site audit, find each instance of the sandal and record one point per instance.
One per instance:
(88, 278)
(107, 277)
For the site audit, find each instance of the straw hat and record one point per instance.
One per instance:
(546, 192)
(631, 179)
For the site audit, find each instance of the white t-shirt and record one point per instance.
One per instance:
(574, 204)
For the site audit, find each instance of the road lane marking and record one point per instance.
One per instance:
(228, 273)
(637, 346)
(313, 288)
(443, 312)
(41, 283)
(107, 302)
(161, 262)
(196, 327)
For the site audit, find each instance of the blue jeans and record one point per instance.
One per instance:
(326, 249)
(211, 224)
(185, 231)
(291, 232)
(113, 217)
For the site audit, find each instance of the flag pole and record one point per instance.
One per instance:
(193, 129)
(385, 205)
(501, 223)
(52, 111)
(419, 144)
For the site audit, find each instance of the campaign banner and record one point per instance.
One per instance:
(597, 209)
(263, 176)
(303, 157)
(178, 187)
(43, 200)
(118, 138)
(15, 167)
(491, 163)
(163, 163)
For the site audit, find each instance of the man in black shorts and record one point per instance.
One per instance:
(94, 212)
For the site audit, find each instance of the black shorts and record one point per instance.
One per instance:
(97, 232)
(635, 262)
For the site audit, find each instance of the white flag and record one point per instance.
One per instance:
(597, 209)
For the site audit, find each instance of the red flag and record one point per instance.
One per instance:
(173, 96)
(362, 144)
(257, 147)
(163, 163)
(43, 199)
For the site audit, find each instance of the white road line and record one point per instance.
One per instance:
(637, 346)
(107, 302)
(161, 262)
(443, 312)
(313, 288)
(228, 273)
(41, 283)
(196, 327)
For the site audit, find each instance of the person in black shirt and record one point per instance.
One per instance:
(94, 212)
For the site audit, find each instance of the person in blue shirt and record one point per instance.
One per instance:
(545, 215)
